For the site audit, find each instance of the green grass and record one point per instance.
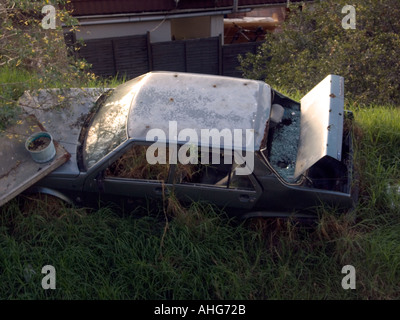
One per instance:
(202, 255)
(12, 85)
(199, 253)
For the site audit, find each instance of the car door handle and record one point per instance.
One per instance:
(244, 198)
(100, 181)
(159, 190)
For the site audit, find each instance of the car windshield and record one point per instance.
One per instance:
(108, 128)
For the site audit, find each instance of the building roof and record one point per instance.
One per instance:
(196, 102)
(105, 7)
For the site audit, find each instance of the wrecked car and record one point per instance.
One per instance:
(236, 143)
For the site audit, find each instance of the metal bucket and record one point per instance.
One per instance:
(44, 155)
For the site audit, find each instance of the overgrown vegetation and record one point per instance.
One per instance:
(133, 164)
(313, 44)
(32, 57)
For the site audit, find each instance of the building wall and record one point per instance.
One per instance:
(191, 28)
(197, 27)
(160, 30)
(217, 26)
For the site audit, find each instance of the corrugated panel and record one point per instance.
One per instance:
(131, 57)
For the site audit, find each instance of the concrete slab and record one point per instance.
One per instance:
(63, 112)
(17, 169)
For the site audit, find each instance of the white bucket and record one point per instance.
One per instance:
(44, 155)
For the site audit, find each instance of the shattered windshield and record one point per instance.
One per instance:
(108, 128)
(283, 139)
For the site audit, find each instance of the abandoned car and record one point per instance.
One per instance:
(236, 143)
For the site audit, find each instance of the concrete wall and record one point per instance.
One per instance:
(197, 27)
(190, 28)
(160, 30)
(217, 26)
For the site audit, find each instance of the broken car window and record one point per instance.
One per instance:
(283, 138)
(220, 175)
(134, 165)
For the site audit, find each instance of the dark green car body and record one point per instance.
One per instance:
(301, 153)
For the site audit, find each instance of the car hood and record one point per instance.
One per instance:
(62, 112)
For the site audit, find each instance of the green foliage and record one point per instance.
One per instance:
(32, 57)
(313, 44)
(12, 85)
(27, 45)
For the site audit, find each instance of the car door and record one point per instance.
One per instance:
(217, 183)
(128, 178)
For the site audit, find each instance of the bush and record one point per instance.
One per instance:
(25, 44)
(313, 44)
(32, 57)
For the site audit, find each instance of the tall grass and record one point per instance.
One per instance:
(197, 252)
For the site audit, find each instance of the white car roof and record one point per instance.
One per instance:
(197, 101)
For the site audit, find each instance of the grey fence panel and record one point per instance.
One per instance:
(133, 56)
(168, 56)
(100, 54)
(230, 55)
(70, 41)
(130, 55)
(202, 55)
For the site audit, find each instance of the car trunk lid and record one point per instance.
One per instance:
(321, 128)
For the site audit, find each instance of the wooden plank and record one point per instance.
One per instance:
(17, 169)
